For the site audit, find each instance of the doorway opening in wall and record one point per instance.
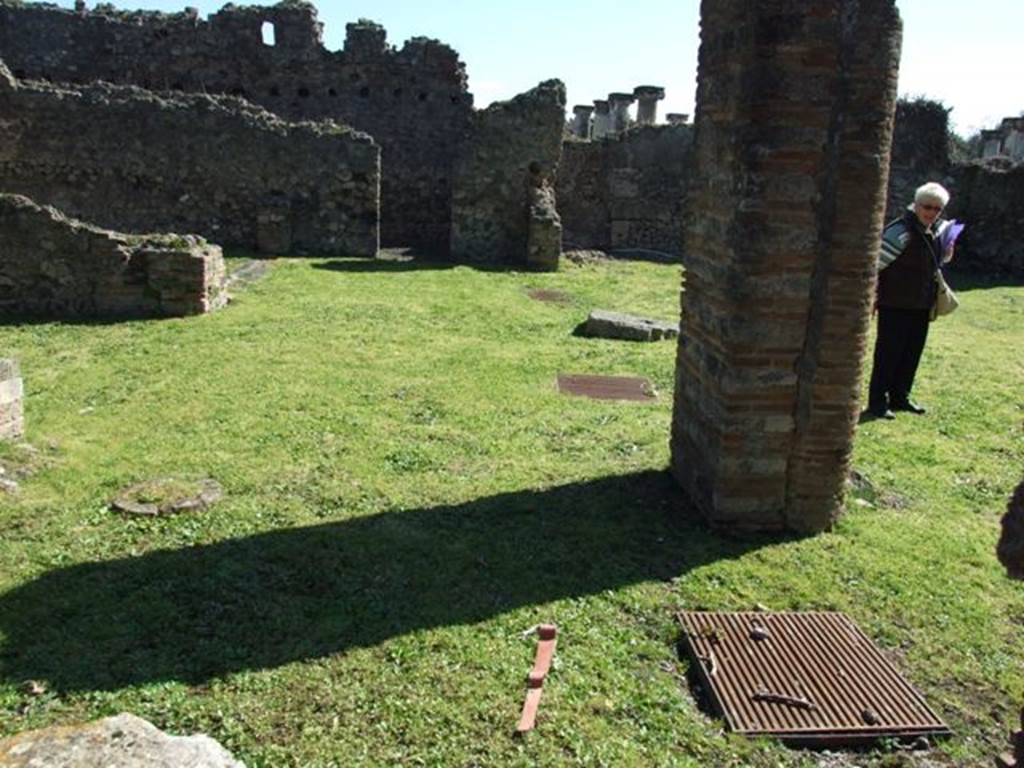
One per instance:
(267, 30)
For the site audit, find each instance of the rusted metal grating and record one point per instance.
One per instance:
(606, 387)
(550, 295)
(812, 679)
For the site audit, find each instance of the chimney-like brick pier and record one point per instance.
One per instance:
(647, 98)
(795, 106)
(602, 119)
(581, 120)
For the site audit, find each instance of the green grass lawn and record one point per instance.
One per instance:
(406, 492)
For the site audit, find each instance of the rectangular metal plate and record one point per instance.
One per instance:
(807, 678)
(606, 387)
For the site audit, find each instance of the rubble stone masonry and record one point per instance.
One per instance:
(12, 418)
(55, 267)
(794, 119)
(626, 191)
(128, 159)
(413, 101)
(504, 182)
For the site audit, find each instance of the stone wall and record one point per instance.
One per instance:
(989, 196)
(626, 191)
(920, 151)
(514, 149)
(129, 159)
(413, 101)
(795, 103)
(12, 419)
(56, 267)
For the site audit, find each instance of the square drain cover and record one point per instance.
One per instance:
(550, 295)
(812, 679)
(606, 387)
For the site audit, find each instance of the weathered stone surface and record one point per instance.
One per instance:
(793, 130)
(1011, 541)
(601, 323)
(53, 266)
(12, 393)
(504, 180)
(626, 191)
(413, 100)
(989, 195)
(129, 159)
(124, 741)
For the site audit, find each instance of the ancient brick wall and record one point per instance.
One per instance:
(794, 121)
(55, 267)
(127, 159)
(988, 195)
(626, 191)
(413, 101)
(514, 147)
(12, 412)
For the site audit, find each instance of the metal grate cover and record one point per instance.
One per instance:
(807, 678)
(550, 295)
(606, 387)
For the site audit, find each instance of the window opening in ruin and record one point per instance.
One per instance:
(331, 92)
(304, 92)
(268, 33)
(364, 92)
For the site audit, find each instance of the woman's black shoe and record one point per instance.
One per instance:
(910, 407)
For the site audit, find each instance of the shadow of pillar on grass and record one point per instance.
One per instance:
(287, 595)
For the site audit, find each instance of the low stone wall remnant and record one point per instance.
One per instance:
(12, 393)
(55, 267)
(131, 160)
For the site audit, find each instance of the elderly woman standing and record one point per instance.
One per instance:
(908, 263)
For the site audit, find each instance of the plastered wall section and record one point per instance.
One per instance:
(128, 159)
(794, 118)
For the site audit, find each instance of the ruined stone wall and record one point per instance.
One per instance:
(515, 147)
(626, 191)
(413, 101)
(920, 151)
(56, 267)
(794, 121)
(583, 195)
(988, 196)
(127, 159)
(12, 392)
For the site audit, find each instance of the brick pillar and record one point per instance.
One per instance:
(619, 106)
(647, 98)
(602, 119)
(12, 421)
(581, 120)
(795, 105)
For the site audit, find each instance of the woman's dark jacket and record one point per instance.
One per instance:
(908, 261)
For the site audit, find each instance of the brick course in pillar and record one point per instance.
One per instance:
(12, 420)
(793, 127)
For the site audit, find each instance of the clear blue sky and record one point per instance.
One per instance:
(963, 54)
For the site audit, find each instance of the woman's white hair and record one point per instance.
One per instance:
(932, 192)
